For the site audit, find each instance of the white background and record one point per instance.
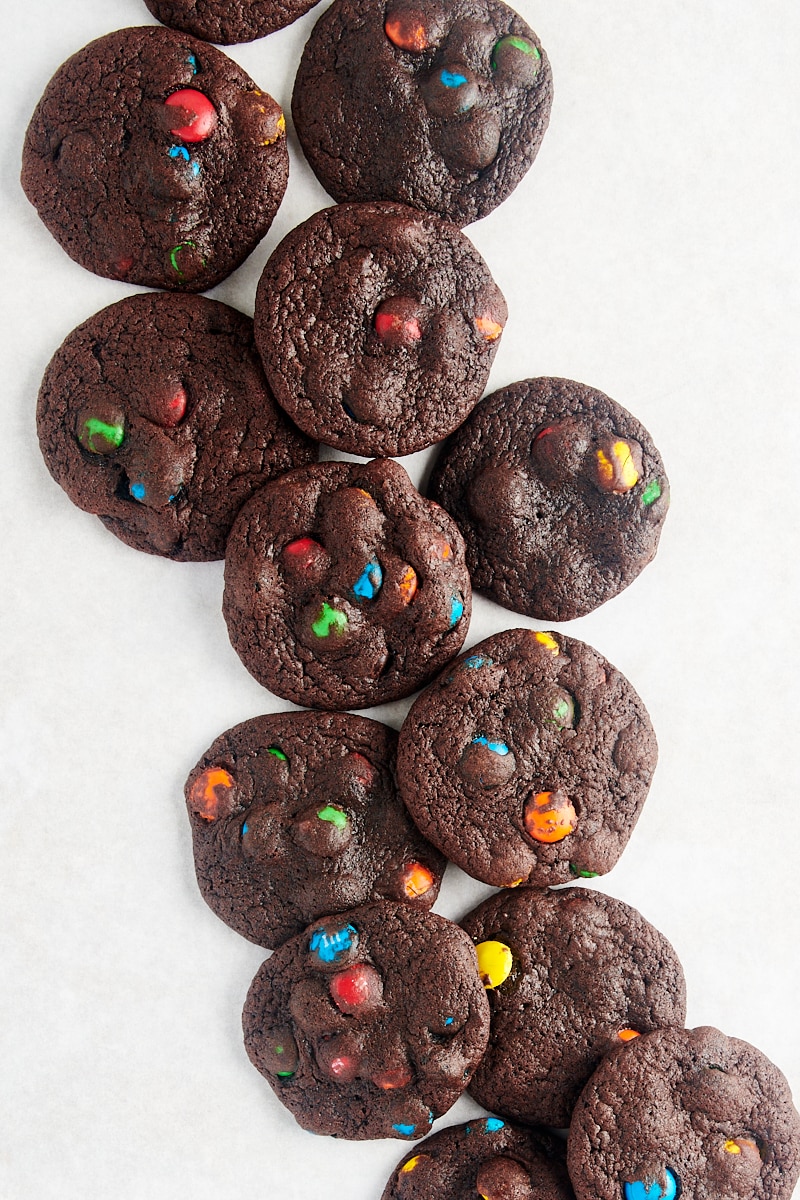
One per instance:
(650, 252)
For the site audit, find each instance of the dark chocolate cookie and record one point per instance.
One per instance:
(377, 325)
(685, 1112)
(297, 815)
(228, 22)
(155, 415)
(560, 495)
(528, 760)
(570, 975)
(344, 587)
(487, 1158)
(155, 159)
(369, 1025)
(441, 106)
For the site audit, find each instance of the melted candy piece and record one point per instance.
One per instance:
(172, 409)
(397, 322)
(323, 831)
(495, 961)
(358, 989)
(205, 797)
(408, 585)
(516, 60)
(474, 662)
(652, 1190)
(369, 582)
(100, 437)
(456, 610)
(196, 118)
(549, 817)
(488, 328)
(330, 945)
(627, 1035)
(547, 640)
(616, 468)
(651, 493)
(279, 1055)
(413, 1163)
(394, 1077)
(417, 880)
(330, 620)
(405, 28)
(495, 747)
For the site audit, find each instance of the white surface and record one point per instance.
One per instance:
(650, 252)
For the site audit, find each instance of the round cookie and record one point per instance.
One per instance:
(685, 1112)
(344, 588)
(560, 495)
(528, 760)
(369, 1025)
(377, 326)
(570, 975)
(155, 415)
(440, 106)
(489, 1158)
(296, 815)
(153, 158)
(228, 23)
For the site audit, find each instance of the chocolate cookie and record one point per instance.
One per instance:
(297, 815)
(685, 1112)
(153, 158)
(155, 414)
(343, 587)
(560, 495)
(369, 1025)
(489, 1158)
(570, 975)
(377, 325)
(225, 22)
(528, 760)
(441, 106)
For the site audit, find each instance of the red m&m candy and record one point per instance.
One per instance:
(195, 116)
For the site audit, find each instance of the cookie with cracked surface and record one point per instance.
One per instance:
(465, 88)
(489, 1158)
(155, 415)
(344, 587)
(685, 1112)
(570, 975)
(228, 23)
(377, 326)
(153, 158)
(527, 760)
(560, 495)
(296, 815)
(370, 1024)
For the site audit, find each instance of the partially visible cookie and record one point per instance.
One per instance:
(685, 1112)
(570, 975)
(560, 495)
(528, 760)
(155, 415)
(489, 1158)
(370, 1024)
(344, 587)
(377, 326)
(296, 815)
(438, 105)
(153, 158)
(228, 22)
